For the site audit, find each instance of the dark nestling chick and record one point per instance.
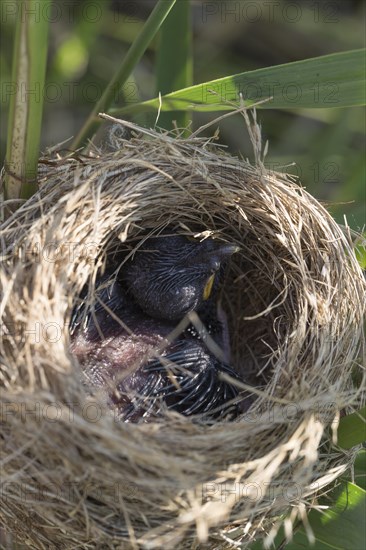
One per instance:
(123, 341)
(170, 276)
(137, 368)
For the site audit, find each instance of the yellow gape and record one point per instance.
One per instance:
(208, 287)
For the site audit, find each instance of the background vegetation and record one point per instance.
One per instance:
(88, 40)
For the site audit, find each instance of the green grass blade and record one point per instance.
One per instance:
(131, 59)
(335, 80)
(174, 66)
(352, 429)
(26, 99)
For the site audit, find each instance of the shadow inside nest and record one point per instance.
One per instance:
(153, 335)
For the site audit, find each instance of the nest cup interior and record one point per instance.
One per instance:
(294, 295)
(251, 296)
(279, 289)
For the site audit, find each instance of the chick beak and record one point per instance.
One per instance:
(222, 254)
(226, 250)
(208, 287)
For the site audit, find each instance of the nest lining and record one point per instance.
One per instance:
(295, 300)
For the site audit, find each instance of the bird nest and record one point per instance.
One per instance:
(75, 476)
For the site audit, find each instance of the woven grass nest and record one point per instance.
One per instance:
(294, 294)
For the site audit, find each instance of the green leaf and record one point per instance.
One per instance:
(360, 251)
(339, 527)
(360, 469)
(335, 80)
(174, 63)
(352, 429)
